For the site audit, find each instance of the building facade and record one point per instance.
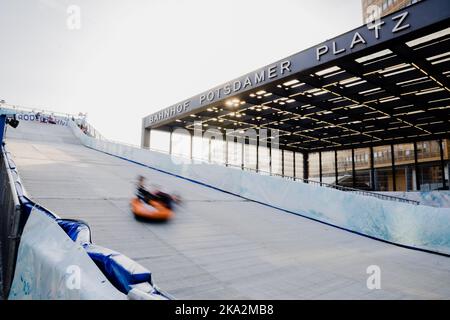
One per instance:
(398, 167)
(383, 7)
(402, 156)
(369, 109)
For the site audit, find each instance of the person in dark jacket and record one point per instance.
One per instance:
(143, 194)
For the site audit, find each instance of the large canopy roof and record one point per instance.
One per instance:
(382, 83)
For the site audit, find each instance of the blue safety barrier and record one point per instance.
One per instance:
(119, 269)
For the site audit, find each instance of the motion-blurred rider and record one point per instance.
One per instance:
(143, 194)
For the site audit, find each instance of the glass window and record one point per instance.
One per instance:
(382, 156)
(160, 140)
(430, 176)
(206, 149)
(383, 179)
(313, 163)
(405, 178)
(404, 153)
(234, 154)
(288, 163)
(299, 165)
(344, 164)
(383, 168)
(264, 159)
(328, 167)
(428, 151)
(362, 158)
(276, 161)
(217, 151)
(250, 156)
(404, 171)
(198, 152)
(181, 144)
(446, 147)
(362, 169)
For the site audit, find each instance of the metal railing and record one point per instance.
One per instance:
(10, 212)
(23, 109)
(332, 186)
(91, 131)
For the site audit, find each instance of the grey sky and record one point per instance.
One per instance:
(133, 57)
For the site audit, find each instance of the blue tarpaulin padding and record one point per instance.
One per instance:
(122, 272)
(119, 269)
(51, 266)
(77, 230)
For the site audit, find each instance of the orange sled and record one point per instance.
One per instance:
(157, 212)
